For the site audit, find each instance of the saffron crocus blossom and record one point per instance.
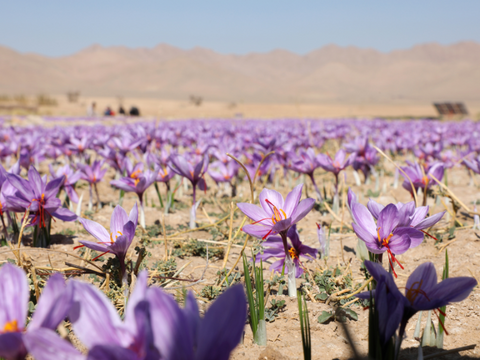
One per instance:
(276, 216)
(422, 178)
(176, 333)
(52, 308)
(71, 179)
(93, 174)
(195, 173)
(473, 165)
(97, 324)
(274, 248)
(181, 333)
(138, 183)
(416, 217)
(422, 292)
(391, 233)
(40, 198)
(122, 232)
(306, 163)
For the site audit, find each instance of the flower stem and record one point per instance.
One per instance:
(291, 268)
(142, 212)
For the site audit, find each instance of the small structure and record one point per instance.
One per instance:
(451, 109)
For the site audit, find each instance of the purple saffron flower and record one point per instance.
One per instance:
(71, 179)
(422, 292)
(138, 182)
(274, 248)
(181, 333)
(416, 217)
(52, 308)
(339, 163)
(97, 324)
(306, 163)
(164, 175)
(391, 233)
(122, 232)
(221, 172)
(93, 173)
(38, 196)
(422, 179)
(275, 215)
(194, 173)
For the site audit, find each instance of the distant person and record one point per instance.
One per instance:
(134, 111)
(91, 109)
(121, 110)
(109, 111)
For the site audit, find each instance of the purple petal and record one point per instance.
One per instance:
(273, 197)
(96, 230)
(269, 253)
(22, 185)
(121, 245)
(419, 215)
(123, 185)
(257, 230)
(374, 208)
(169, 333)
(111, 352)
(222, 327)
(11, 346)
(64, 214)
(193, 316)
(95, 320)
(398, 244)
(137, 295)
(202, 185)
(96, 246)
(416, 236)
(255, 213)
(133, 216)
(45, 344)
(54, 304)
(14, 295)
(117, 221)
(387, 220)
(364, 219)
(282, 225)
(52, 188)
(365, 236)
(405, 213)
(453, 289)
(424, 277)
(303, 208)
(292, 200)
(35, 181)
(430, 221)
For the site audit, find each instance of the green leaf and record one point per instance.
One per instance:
(351, 314)
(325, 316)
(322, 296)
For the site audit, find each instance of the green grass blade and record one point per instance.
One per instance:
(251, 301)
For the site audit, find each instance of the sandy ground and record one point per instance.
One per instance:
(284, 337)
(175, 109)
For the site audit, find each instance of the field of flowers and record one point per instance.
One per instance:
(241, 239)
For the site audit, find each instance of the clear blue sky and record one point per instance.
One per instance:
(61, 27)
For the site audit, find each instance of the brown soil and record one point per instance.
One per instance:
(284, 337)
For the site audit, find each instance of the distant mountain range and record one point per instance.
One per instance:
(428, 72)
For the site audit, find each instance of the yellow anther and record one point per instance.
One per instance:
(11, 326)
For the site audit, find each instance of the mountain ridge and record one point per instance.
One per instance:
(425, 72)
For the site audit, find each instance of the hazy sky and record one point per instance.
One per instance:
(60, 27)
